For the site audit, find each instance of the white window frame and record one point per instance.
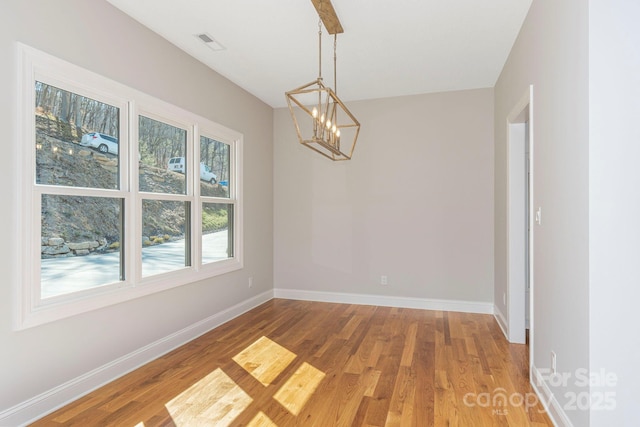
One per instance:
(30, 309)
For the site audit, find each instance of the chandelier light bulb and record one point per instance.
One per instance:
(328, 124)
(314, 113)
(333, 128)
(322, 118)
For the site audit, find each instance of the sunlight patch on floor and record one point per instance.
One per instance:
(214, 400)
(261, 420)
(264, 360)
(294, 394)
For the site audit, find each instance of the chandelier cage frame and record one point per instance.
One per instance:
(322, 121)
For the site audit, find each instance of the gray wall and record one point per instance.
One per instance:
(415, 203)
(582, 58)
(614, 203)
(96, 36)
(551, 53)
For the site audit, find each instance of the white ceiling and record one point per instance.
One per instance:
(388, 48)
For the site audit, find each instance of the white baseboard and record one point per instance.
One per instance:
(47, 402)
(554, 410)
(386, 301)
(502, 321)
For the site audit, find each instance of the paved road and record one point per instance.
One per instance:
(63, 275)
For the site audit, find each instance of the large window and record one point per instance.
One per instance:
(122, 194)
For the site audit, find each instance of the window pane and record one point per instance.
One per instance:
(80, 246)
(215, 158)
(165, 240)
(217, 232)
(162, 161)
(76, 139)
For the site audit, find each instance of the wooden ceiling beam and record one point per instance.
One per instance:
(327, 14)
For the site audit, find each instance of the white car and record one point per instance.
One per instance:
(177, 164)
(104, 143)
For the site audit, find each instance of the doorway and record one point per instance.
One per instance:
(519, 233)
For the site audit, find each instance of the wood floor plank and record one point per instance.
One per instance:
(302, 363)
(402, 400)
(409, 345)
(370, 381)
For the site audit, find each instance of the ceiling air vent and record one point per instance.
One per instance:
(210, 41)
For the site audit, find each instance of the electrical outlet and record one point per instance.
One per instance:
(384, 280)
(553, 363)
(250, 280)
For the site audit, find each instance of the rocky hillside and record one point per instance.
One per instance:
(73, 225)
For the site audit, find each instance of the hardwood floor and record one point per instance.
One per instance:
(289, 363)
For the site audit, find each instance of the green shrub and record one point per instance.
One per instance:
(214, 220)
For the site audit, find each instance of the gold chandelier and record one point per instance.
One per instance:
(323, 123)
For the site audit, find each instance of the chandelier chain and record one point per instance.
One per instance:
(319, 49)
(335, 61)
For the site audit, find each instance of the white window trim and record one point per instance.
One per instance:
(30, 310)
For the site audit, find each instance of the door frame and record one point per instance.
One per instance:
(521, 113)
